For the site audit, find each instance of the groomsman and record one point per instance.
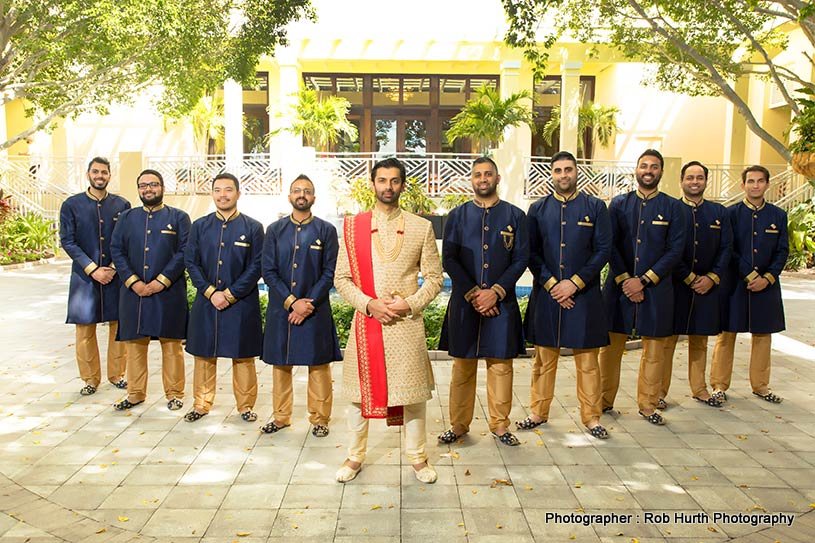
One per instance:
(299, 259)
(223, 259)
(86, 222)
(148, 250)
(570, 242)
(696, 280)
(485, 251)
(752, 302)
(648, 232)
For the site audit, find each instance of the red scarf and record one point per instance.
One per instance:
(373, 377)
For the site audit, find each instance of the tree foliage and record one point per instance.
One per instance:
(698, 47)
(64, 58)
(485, 117)
(321, 120)
(600, 121)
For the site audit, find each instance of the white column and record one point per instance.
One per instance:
(517, 140)
(569, 104)
(233, 121)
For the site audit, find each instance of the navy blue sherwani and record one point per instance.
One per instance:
(569, 239)
(299, 259)
(225, 255)
(648, 240)
(707, 252)
(760, 248)
(148, 244)
(85, 230)
(484, 248)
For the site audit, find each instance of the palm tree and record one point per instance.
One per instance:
(485, 117)
(207, 120)
(321, 120)
(601, 121)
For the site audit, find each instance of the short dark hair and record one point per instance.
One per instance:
(99, 160)
(151, 172)
(391, 162)
(755, 168)
(694, 163)
(485, 160)
(653, 153)
(562, 155)
(227, 175)
(301, 177)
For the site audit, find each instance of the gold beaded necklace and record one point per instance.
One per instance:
(391, 255)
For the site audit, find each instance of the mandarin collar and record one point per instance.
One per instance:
(651, 196)
(481, 206)
(388, 216)
(561, 198)
(232, 217)
(94, 198)
(752, 207)
(154, 208)
(691, 203)
(304, 221)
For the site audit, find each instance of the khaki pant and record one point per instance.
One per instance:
(650, 374)
(87, 355)
(544, 369)
(697, 360)
(415, 433)
(244, 383)
(172, 368)
(462, 393)
(320, 394)
(721, 369)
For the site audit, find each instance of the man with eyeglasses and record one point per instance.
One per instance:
(148, 250)
(223, 260)
(86, 224)
(299, 258)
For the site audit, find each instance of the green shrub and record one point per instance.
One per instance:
(27, 237)
(801, 231)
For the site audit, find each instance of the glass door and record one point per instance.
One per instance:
(400, 134)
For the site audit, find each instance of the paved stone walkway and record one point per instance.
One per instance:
(73, 469)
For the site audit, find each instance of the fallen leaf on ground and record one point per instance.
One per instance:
(101, 530)
(243, 534)
(467, 473)
(712, 529)
(497, 482)
(375, 507)
(499, 526)
(123, 518)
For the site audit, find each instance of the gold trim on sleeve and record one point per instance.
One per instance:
(164, 280)
(713, 277)
(90, 268)
(287, 303)
(622, 277)
(130, 280)
(654, 278)
(769, 277)
(690, 278)
(547, 286)
(577, 281)
(750, 276)
(468, 296)
(500, 291)
(229, 296)
(209, 292)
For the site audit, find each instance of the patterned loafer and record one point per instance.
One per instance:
(87, 390)
(507, 439)
(449, 436)
(713, 401)
(319, 430)
(121, 384)
(249, 416)
(599, 432)
(193, 416)
(273, 427)
(653, 418)
(175, 404)
(126, 404)
(662, 404)
(720, 395)
(528, 424)
(769, 397)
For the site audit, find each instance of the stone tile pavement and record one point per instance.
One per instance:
(72, 469)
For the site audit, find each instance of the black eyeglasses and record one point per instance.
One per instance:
(153, 185)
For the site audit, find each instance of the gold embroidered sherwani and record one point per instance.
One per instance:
(397, 261)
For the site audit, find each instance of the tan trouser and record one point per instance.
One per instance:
(650, 374)
(244, 383)
(87, 355)
(172, 368)
(544, 369)
(320, 394)
(721, 369)
(462, 393)
(697, 360)
(415, 433)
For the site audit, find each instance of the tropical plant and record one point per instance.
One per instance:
(321, 120)
(599, 121)
(801, 231)
(5, 206)
(452, 201)
(26, 237)
(485, 117)
(207, 120)
(803, 127)
(413, 198)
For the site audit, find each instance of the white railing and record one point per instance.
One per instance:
(442, 173)
(787, 189)
(799, 195)
(724, 180)
(604, 179)
(189, 175)
(34, 184)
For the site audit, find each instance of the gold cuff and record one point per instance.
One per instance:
(577, 281)
(654, 278)
(230, 297)
(112, 265)
(90, 268)
(209, 292)
(130, 280)
(713, 277)
(750, 276)
(622, 277)
(690, 278)
(164, 281)
(468, 296)
(547, 286)
(769, 277)
(500, 291)
(288, 301)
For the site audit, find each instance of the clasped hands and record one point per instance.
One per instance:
(301, 309)
(103, 274)
(563, 293)
(388, 309)
(147, 289)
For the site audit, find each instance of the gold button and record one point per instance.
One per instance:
(149, 216)
(563, 266)
(101, 220)
(696, 243)
(295, 265)
(103, 255)
(220, 262)
(636, 259)
(149, 231)
(483, 285)
(486, 265)
(294, 283)
(643, 204)
(101, 238)
(756, 268)
(639, 241)
(564, 205)
(563, 222)
(755, 216)
(146, 267)
(298, 228)
(486, 246)
(488, 210)
(754, 250)
(222, 244)
(755, 233)
(219, 281)
(98, 205)
(486, 228)
(642, 222)
(563, 245)
(296, 246)
(146, 249)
